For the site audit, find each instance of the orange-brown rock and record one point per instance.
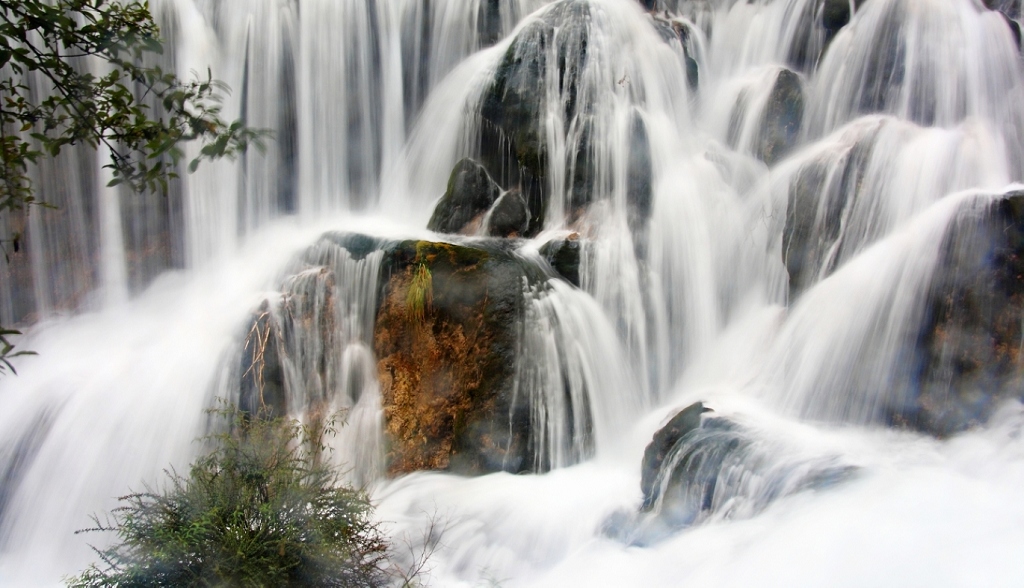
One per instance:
(445, 340)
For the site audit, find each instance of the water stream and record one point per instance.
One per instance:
(659, 152)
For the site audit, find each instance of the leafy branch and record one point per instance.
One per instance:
(7, 351)
(51, 98)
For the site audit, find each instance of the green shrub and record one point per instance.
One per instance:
(261, 509)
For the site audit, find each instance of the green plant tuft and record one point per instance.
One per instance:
(421, 293)
(261, 509)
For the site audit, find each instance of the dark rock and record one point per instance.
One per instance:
(564, 256)
(835, 14)
(714, 466)
(358, 246)
(581, 167)
(684, 423)
(692, 73)
(817, 204)
(819, 23)
(445, 339)
(509, 217)
(1011, 8)
(970, 344)
(783, 116)
(488, 22)
(649, 4)
(471, 192)
(639, 178)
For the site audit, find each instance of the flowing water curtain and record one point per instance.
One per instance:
(848, 351)
(578, 125)
(931, 62)
(578, 401)
(309, 353)
(868, 178)
(338, 105)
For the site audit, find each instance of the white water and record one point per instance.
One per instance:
(372, 112)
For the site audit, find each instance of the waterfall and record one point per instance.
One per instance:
(805, 214)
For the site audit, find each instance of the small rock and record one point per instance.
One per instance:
(509, 217)
(687, 421)
(471, 192)
(564, 256)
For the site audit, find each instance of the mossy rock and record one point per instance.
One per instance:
(446, 335)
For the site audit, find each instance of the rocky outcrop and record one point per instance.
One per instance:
(292, 357)
(970, 349)
(443, 322)
(1011, 13)
(445, 339)
(471, 193)
(767, 116)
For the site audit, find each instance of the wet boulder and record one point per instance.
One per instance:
(718, 467)
(818, 24)
(970, 356)
(1014, 29)
(509, 217)
(639, 175)
(564, 256)
(683, 423)
(445, 338)
(782, 118)
(1011, 8)
(821, 194)
(514, 106)
(677, 33)
(471, 193)
(835, 14)
(262, 384)
(432, 327)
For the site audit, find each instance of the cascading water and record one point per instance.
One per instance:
(779, 209)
